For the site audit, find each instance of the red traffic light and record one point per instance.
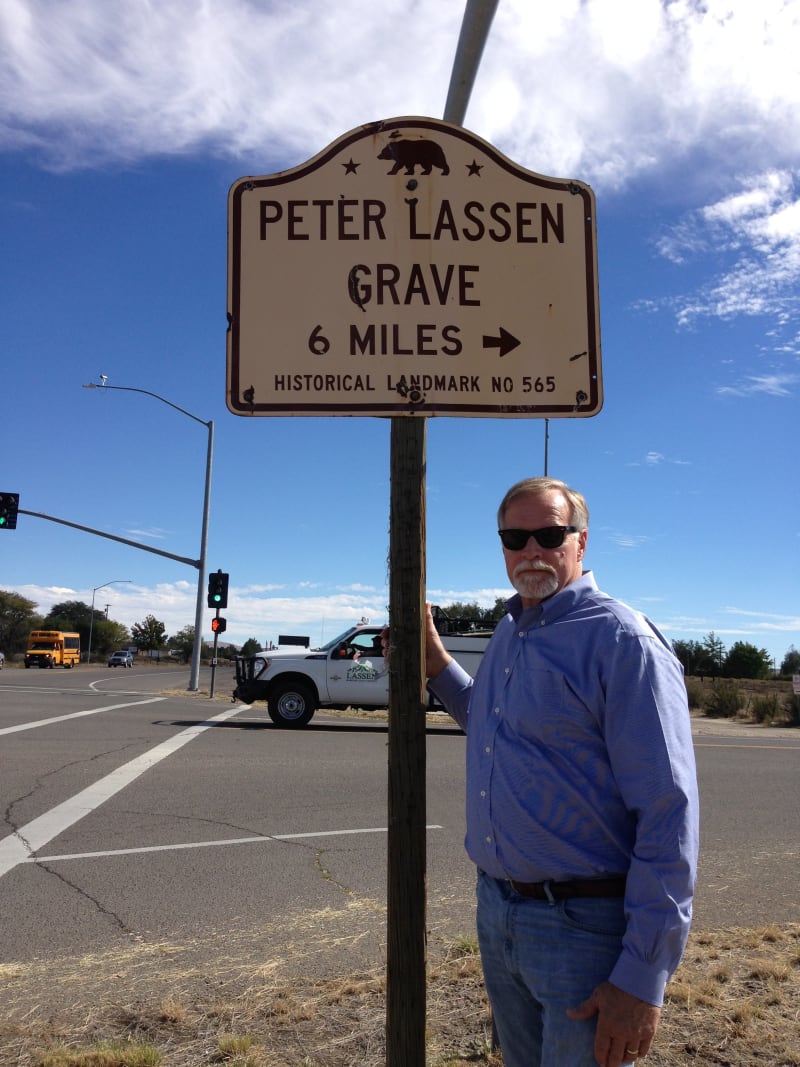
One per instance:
(219, 625)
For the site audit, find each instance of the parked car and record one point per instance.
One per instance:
(121, 658)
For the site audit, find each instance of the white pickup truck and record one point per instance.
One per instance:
(348, 671)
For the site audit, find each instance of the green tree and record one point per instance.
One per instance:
(791, 661)
(713, 655)
(250, 647)
(746, 661)
(149, 635)
(691, 655)
(461, 610)
(73, 613)
(17, 618)
(108, 635)
(473, 612)
(499, 609)
(183, 642)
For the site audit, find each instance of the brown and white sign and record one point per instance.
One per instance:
(412, 269)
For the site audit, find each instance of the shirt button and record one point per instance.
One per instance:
(488, 748)
(483, 792)
(521, 633)
(497, 711)
(488, 840)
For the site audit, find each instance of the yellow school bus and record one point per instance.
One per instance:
(52, 648)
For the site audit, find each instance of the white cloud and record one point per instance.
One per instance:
(771, 385)
(151, 534)
(627, 540)
(249, 612)
(602, 89)
(483, 597)
(655, 459)
(754, 236)
(768, 621)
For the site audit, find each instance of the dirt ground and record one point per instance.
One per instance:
(734, 1002)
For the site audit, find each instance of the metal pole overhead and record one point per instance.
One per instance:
(475, 28)
(194, 673)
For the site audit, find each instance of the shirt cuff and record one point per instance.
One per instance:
(642, 980)
(450, 682)
(452, 687)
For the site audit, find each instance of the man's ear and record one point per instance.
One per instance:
(583, 537)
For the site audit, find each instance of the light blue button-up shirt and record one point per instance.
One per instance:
(580, 765)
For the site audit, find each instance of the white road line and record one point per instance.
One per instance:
(265, 840)
(19, 846)
(74, 715)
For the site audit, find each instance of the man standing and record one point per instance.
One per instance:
(582, 813)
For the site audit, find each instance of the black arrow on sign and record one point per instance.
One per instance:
(506, 342)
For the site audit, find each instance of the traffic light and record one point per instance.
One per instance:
(218, 590)
(219, 625)
(9, 505)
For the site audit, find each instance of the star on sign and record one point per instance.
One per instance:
(474, 168)
(350, 167)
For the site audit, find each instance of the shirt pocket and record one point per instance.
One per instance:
(541, 706)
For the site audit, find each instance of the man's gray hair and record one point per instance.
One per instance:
(579, 510)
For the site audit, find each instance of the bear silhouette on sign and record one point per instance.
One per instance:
(412, 153)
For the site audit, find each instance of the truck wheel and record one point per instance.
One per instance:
(291, 704)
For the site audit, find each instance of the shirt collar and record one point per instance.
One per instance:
(555, 606)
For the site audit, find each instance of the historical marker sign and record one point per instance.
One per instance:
(412, 269)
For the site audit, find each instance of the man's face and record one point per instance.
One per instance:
(535, 572)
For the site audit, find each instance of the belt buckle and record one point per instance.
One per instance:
(546, 891)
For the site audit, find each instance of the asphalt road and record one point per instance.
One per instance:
(135, 812)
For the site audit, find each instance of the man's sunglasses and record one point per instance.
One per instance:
(547, 537)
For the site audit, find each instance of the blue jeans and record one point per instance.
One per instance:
(540, 959)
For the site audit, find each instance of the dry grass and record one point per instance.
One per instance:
(735, 1002)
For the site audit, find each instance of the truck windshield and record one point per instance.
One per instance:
(335, 641)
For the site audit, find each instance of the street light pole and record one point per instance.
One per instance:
(114, 581)
(194, 674)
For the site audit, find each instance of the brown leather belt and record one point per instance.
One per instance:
(592, 887)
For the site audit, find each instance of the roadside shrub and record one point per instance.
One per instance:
(765, 708)
(695, 693)
(723, 701)
(791, 709)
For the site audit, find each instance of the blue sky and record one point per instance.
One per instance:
(122, 127)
